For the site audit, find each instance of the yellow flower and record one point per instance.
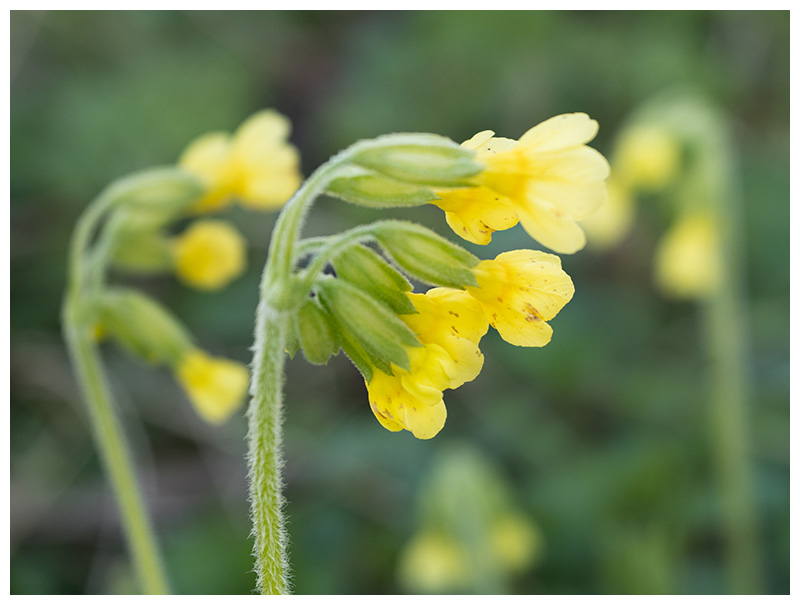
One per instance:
(216, 387)
(612, 221)
(449, 324)
(687, 261)
(647, 157)
(547, 180)
(520, 291)
(256, 164)
(432, 562)
(209, 254)
(515, 541)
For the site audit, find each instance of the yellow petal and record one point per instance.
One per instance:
(216, 387)
(559, 132)
(559, 233)
(687, 262)
(208, 158)
(474, 213)
(209, 254)
(520, 291)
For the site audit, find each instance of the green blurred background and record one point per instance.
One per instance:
(602, 436)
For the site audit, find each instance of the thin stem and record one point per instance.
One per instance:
(109, 438)
(726, 338)
(116, 460)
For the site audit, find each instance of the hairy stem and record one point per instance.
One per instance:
(265, 443)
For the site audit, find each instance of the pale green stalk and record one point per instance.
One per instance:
(83, 282)
(726, 329)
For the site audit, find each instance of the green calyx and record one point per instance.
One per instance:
(380, 335)
(422, 159)
(143, 326)
(426, 255)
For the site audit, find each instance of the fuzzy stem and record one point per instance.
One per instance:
(265, 442)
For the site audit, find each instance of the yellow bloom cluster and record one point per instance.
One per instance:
(517, 293)
(547, 181)
(256, 164)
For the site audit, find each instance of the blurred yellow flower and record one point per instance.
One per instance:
(612, 221)
(687, 260)
(647, 157)
(515, 541)
(432, 562)
(520, 291)
(547, 180)
(209, 254)
(257, 165)
(216, 387)
(449, 324)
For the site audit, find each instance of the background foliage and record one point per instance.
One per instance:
(603, 434)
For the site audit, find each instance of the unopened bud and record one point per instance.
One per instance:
(426, 255)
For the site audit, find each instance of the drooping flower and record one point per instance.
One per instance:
(209, 254)
(687, 261)
(256, 165)
(612, 221)
(520, 291)
(647, 157)
(547, 180)
(215, 386)
(449, 324)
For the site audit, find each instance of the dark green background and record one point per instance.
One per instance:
(603, 434)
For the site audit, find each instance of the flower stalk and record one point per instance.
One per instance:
(106, 427)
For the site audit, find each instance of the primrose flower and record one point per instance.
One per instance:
(449, 324)
(647, 157)
(256, 165)
(612, 221)
(547, 180)
(687, 262)
(209, 254)
(216, 387)
(520, 291)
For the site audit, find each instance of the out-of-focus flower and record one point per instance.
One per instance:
(520, 291)
(209, 254)
(687, 262)
(647, 157)
(433, 562)
(256, 165)
(547, 180)
(612, 221)
(515, 540)
(449, 324)
(215, 386)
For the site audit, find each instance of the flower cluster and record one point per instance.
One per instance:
(255, 165)
(412, 346)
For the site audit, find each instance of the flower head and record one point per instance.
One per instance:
(687, 259)
(216, 387)
(449, 324)
(547, 180)
(256, 164)
(209, 254)
(520, 291)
